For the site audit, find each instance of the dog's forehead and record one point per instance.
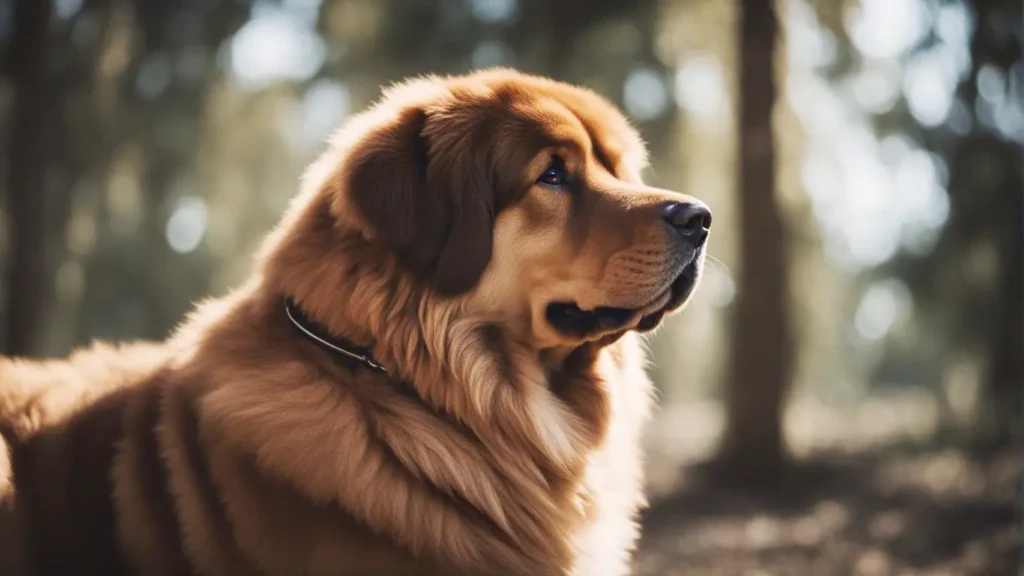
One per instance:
(565, 115)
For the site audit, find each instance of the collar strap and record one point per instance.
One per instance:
(337, 345)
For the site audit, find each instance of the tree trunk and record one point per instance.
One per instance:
(1006, 360)
(1006, 368)
(753, 444)
(27, 273)
(997, 208)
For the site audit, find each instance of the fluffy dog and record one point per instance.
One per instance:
(434, 368)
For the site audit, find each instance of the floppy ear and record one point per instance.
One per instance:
(426, 195)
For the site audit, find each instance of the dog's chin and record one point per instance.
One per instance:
(574, 322)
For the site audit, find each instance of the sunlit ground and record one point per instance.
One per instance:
(931, 513)
(863, 498)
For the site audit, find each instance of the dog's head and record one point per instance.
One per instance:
(521, 196)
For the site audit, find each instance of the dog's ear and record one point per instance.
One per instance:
(426, 196)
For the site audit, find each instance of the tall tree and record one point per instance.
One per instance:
(760, 364)
(27, 272)
(981, 318)
(967, 314)
(987, 198)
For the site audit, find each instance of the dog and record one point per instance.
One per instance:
(435, 367)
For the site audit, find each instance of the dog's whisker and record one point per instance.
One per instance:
(718, 264)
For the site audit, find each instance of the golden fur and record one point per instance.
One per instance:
(498, 443)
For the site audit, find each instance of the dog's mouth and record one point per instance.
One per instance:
(571, 320)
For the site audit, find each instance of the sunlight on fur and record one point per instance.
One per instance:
(488, 240)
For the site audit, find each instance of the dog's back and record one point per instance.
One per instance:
(52, 413)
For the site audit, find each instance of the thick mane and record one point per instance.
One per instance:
(239, 446)
(485, 428)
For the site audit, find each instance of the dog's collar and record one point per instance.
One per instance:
(337, 345)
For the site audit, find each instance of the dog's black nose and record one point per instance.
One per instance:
(691, 219)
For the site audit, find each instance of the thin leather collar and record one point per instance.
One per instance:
(334, 344)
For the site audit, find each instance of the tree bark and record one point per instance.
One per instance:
(26, 218)
(1006, 364)
(753, 446)
(1006, 358)
(992, 208)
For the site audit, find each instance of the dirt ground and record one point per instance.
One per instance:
(896, 512)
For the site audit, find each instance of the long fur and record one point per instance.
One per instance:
(239, 447)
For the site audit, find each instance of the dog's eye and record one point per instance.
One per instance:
(555, 175)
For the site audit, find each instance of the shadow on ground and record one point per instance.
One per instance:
(904, 510)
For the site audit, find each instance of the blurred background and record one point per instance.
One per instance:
(843, 395)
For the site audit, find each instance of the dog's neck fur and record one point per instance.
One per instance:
(458, 362)
(530, 444)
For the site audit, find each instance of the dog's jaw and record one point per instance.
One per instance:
(594, 325)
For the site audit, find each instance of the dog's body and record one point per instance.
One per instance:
(504, 438)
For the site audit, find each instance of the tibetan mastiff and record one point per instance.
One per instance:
(434, 367)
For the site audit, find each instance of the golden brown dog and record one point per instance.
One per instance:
(434, 368)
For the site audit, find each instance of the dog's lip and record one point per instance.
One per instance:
(644, 318)
(678, 292)
(677, 289)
